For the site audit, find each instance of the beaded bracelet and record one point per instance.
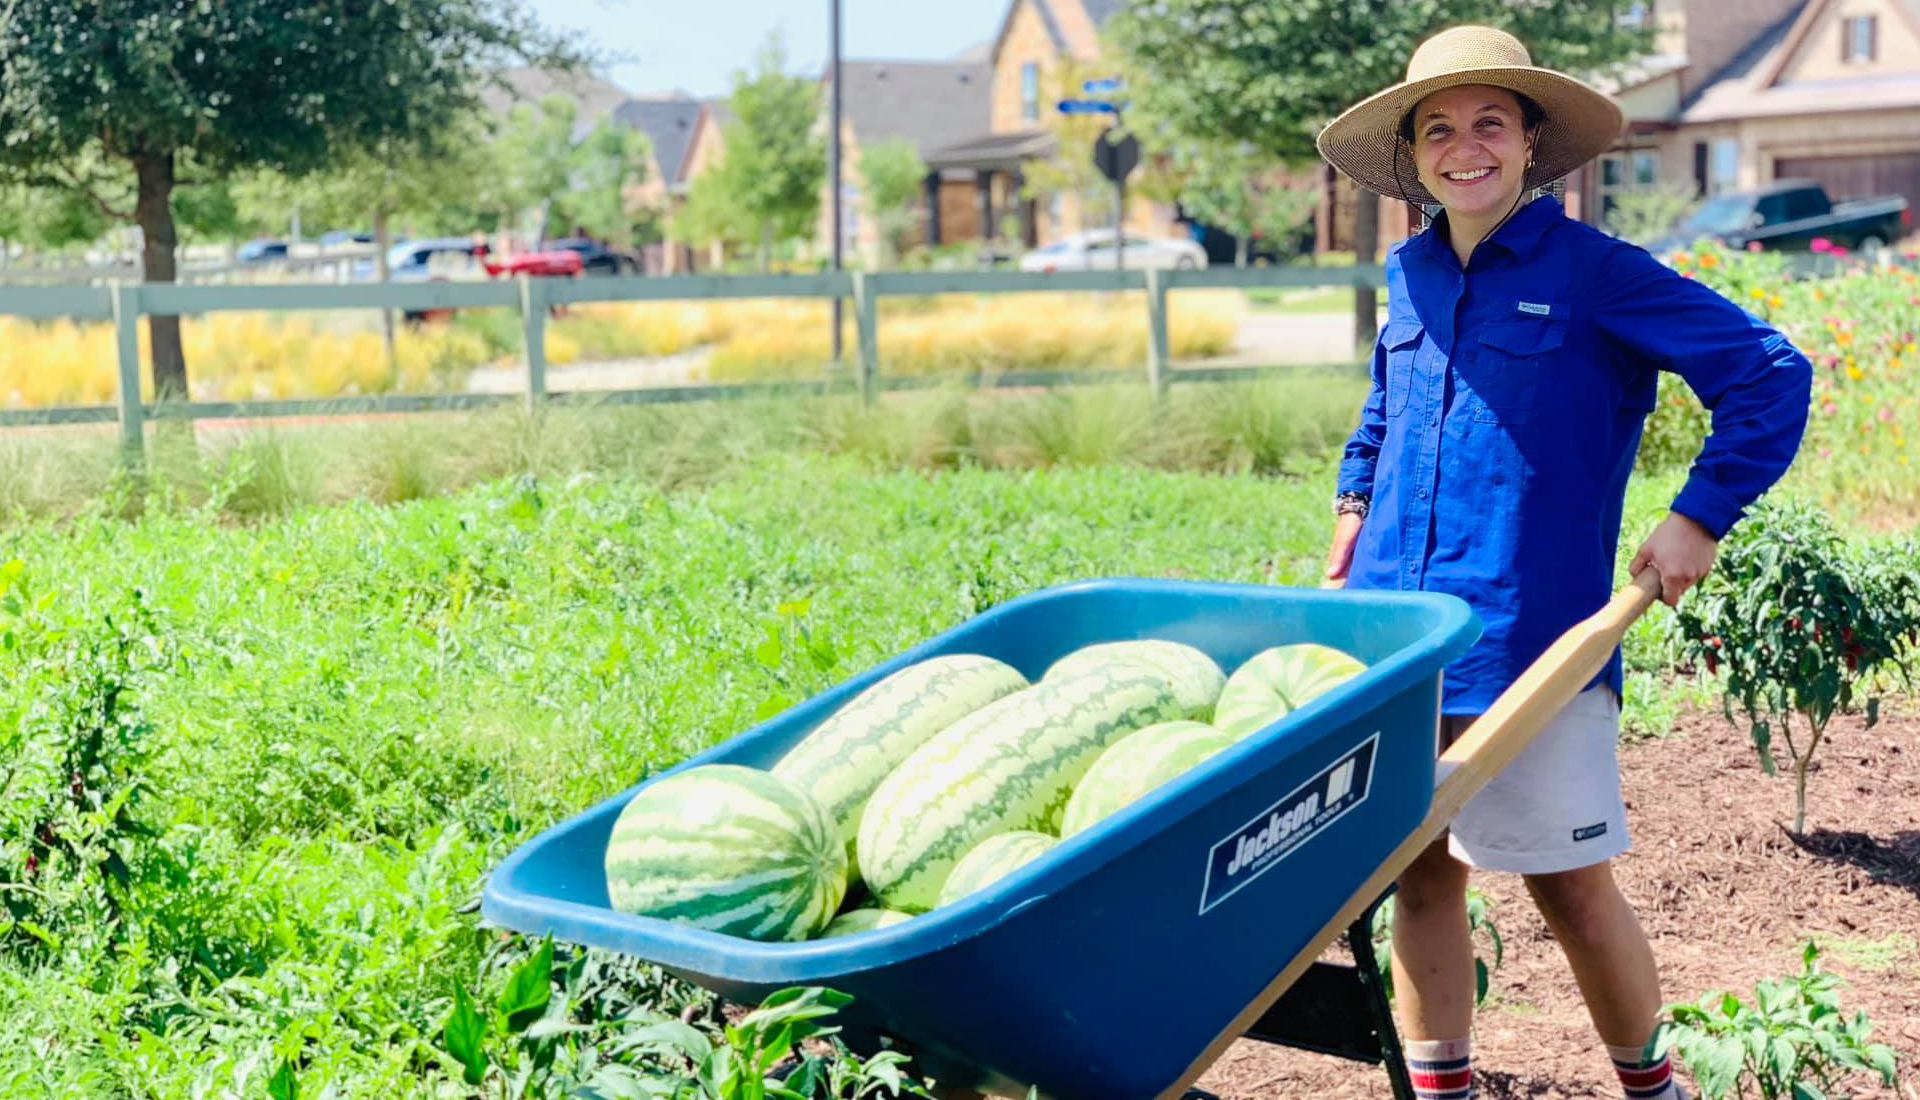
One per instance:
(1357, 504)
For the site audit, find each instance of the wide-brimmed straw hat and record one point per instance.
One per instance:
(1581, 122)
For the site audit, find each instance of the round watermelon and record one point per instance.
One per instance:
(1126, 772)
(1276, 682)
(863, 920)
(992, 860)
(728, 849)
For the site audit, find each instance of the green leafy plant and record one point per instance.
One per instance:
(1479, 925)
(1791, 1043)
(1801, 622)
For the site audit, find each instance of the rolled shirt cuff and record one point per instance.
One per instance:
(1708, 505)
(1355, 477)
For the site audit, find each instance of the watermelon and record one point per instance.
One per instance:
(1196, 677)
(862, 920)
(728, 849)
(1009, 765)
(1278, 681)
(846, 756)
(994, 859)
(1126, 772)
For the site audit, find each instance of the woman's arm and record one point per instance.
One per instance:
(1756, 383)
(1356, 468)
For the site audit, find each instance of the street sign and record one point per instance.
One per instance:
(1116, 159)
(1102, 87)
(1087, 107)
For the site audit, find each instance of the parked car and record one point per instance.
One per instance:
(261, 252)
(335, 238)
(435, 259)
(1791, 214)
(596, 258)
(1093, 249)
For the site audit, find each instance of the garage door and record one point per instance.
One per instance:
(1859, 177)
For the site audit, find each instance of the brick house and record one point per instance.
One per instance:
(1035, 38)
(1738, 95)
(929, 104)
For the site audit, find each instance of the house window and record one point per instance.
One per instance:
(1859, 38)
(1621, 173)
(1030, 91)
(1723, 166)
(1634, 15)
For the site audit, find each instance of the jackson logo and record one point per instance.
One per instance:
(1283, 827)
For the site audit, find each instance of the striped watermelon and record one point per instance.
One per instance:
(846, 756)
(862, 920)
(1126, 772)
(1197, 679)
(728, 849)
(994, 859)
(1278, 681)
(1009, 765)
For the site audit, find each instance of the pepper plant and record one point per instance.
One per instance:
(1791, 1043)
(1805, 627)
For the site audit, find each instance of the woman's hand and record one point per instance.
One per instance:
(1681, 550)
(1346, 530)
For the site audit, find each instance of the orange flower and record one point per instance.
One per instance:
(1708, 259)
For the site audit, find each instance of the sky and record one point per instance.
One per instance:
(695, 45)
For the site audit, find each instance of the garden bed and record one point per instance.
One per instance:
(1728, 898)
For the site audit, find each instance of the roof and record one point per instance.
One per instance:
(1744, 88)
(1102, 10)
(668, 124)
(1000, 152)
(933, 104)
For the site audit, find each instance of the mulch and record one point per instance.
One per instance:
(1726, 894)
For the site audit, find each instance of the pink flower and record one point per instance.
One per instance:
(1886, 413)
(1826, 452)
(1821, 244)
(1830, 408)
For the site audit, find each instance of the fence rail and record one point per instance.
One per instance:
(124, 304)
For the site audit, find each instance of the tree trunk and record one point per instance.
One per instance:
(766, 246)
(1366, 250)
(1240, 252)
(153, 212)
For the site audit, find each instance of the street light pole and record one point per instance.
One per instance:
(833, 155)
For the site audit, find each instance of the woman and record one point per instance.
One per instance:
(1510, 384)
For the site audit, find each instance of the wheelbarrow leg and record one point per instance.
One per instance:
(1393, 1057)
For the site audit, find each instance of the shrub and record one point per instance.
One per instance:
(1801, 622)
(1792, 1043)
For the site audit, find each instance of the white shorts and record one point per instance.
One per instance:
(1558, 806)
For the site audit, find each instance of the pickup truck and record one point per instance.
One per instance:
(1792, 214)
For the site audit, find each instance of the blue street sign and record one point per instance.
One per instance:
(1102, 87)
(1087, 107)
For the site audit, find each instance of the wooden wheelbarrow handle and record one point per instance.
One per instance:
(1487, 747)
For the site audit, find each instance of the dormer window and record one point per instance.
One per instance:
(1859, 38)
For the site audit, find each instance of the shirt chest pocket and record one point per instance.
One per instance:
(1401, 340)
(1504, 368)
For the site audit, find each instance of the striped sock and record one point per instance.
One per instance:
(1442, 1069)
(1644, 1080)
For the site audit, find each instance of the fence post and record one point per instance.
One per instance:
(533, 324)
(867, 319)
(1157, 355)
(126, 331)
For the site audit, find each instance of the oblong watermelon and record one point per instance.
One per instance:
(846, 756)
(1196, 677)
(1010, 765)
(1276, 682)
(862, 920)
(994, 859)
(728, 849)
(1142, 761)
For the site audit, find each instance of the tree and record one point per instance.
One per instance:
(607, 162)
(164, 87)
(1238, 189)
(1273, 74)
(768, 178)
(892, 179)
(1070, 170)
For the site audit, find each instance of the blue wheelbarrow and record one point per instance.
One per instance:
(1125, 960)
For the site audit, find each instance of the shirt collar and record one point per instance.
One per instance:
(1517, 235)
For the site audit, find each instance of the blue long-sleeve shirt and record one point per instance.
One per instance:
(1505, 412)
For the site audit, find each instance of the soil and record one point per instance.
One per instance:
(1727, 896)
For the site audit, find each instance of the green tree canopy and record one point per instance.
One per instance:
(892, 180)
(158, 86)
(766, 186)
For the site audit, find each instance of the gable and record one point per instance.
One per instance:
(1819, 49)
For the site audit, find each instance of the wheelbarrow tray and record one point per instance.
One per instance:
(1100, 970)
